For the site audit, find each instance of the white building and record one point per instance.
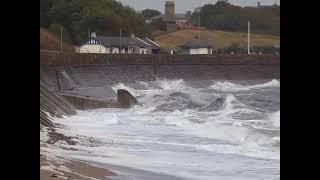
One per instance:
(112, 45)
(92, 46)
(148, 21)
(196, 46)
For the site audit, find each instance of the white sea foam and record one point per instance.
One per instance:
(231, 87)
(248, 150)
(171, 84)
(275, 119)
(133, 91)
(201, 142)
(44, 135)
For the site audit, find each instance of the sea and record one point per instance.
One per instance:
(200, 130)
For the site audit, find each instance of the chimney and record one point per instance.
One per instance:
(93, 35)
(133, 35)
(258, 3)
(188, 14)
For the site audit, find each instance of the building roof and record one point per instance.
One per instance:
(114, 41)
(153, 44)
(196, 43)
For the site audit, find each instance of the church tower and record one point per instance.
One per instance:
(170, 11)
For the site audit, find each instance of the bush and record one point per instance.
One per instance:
(106, 17)
(56, 30)
(224, 16)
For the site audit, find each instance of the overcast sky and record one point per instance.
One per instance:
(185, 5)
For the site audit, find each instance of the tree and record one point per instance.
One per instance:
(149, 13)
(224, 16)
(105, 17)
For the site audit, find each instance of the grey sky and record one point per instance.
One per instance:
(185, 5)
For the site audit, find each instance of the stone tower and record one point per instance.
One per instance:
(170, 11)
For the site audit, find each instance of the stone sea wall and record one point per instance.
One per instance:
(105, 69)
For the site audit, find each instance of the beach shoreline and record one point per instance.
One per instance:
(53, 167)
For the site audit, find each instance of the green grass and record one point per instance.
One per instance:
(219, 39)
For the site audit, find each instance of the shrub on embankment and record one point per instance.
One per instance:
(228, 17)
(49, 41)
(105, 17)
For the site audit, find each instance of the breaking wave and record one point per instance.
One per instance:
(228, 86)
(181, 127)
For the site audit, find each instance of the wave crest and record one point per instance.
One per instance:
(231, 87)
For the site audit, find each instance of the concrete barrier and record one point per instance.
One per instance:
(76, 59)
(124, 100)
(130, 68)
(52, 104)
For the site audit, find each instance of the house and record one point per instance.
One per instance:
(154, 48)
(115, 45)
(148, 21)
(197, 46)
(91, 46)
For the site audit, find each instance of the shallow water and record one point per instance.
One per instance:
(191, 130)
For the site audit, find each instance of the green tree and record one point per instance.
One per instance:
(106, 17)
(149, 13)
(224, 16)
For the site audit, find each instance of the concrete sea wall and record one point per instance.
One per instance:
(124, 100)
(105, 69)
(76, 59)
(52, 104)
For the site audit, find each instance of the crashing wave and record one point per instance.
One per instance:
(231, 87)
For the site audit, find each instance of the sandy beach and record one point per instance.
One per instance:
(71, 170)
(53, 167)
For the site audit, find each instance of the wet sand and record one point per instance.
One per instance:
(69, 170)
(62, 169)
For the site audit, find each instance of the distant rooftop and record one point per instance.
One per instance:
(114, 41)
(153, 44)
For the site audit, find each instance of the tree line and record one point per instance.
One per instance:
(76, 17)
(224, 16)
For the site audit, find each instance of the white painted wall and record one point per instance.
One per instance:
(130, 50)
(92, 48)
(143, 51)
(115, 50)
(181, 21)
(123, 50)
(95, 48)
(201, 51)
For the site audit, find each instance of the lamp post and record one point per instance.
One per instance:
(120, 41)
(61, 39)
(248, 37)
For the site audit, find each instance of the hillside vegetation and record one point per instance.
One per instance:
(227, 17)
(106, 17)
(149, 13)
(49, 41)
(219, 39)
